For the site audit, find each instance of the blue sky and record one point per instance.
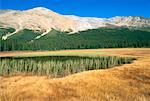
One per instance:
(92, 8)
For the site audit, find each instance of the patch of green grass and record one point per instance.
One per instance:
(57, 66)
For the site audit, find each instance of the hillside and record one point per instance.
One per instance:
(42, 29)
(89, 39)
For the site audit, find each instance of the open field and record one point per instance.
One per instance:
(129, 82)
(85, 52)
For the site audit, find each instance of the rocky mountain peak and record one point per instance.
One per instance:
(44, 20)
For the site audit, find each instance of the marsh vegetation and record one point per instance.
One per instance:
(57, 66)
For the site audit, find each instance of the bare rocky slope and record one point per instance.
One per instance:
(43, 19)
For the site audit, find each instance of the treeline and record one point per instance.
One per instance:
(90, 39)
(4, 31)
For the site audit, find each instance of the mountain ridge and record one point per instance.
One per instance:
(44, 20)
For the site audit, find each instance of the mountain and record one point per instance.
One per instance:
(44, 20)
(43, 29)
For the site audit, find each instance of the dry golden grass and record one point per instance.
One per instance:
(130, 82)
(94, 52)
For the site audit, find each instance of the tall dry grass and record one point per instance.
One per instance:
(129, 82)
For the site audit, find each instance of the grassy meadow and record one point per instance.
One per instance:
(128, 82)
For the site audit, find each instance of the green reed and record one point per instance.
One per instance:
(57, 66)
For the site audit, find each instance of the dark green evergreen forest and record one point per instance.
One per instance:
(89, 39)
